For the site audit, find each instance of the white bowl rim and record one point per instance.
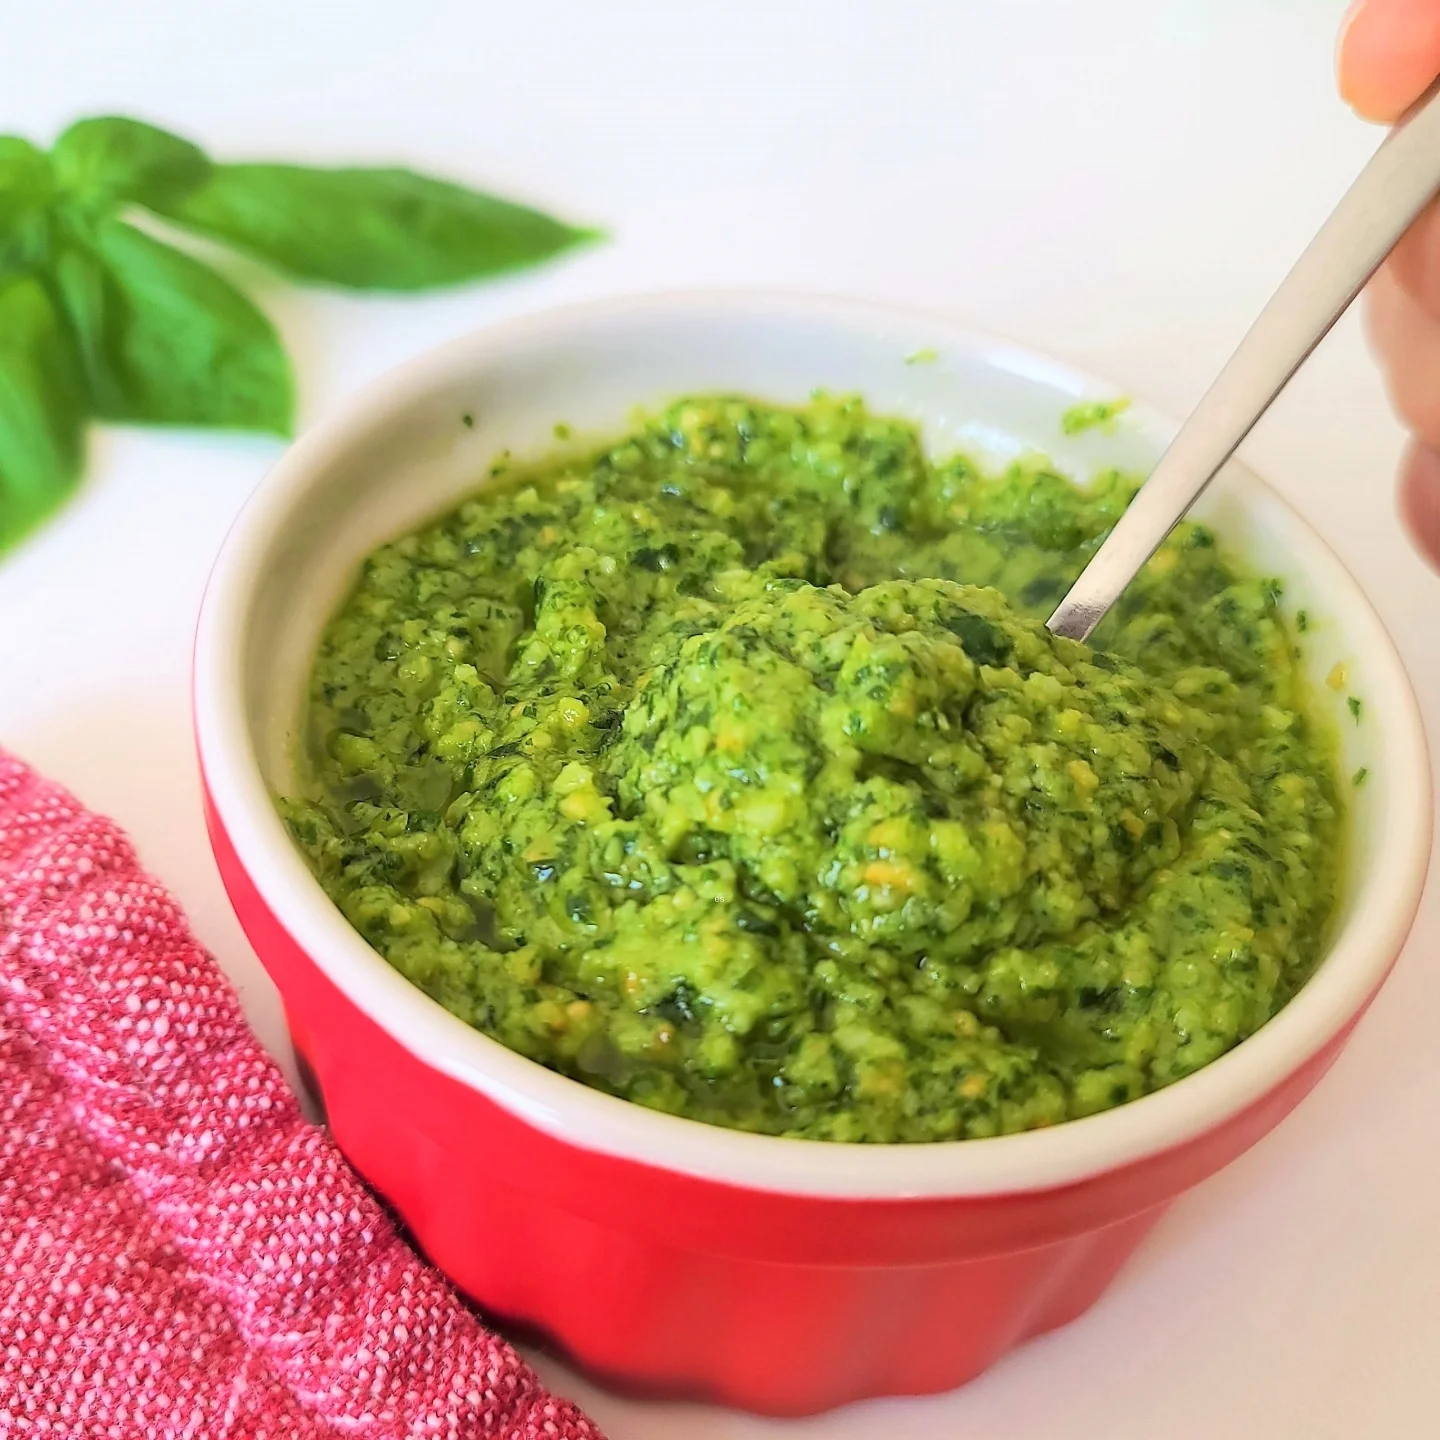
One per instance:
(587, 1118)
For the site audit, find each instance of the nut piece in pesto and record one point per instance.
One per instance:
(731, 770)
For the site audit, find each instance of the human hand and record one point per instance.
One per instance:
(1389, 53)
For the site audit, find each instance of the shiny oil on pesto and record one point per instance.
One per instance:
(729, 769)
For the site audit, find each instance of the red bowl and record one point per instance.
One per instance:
(784, 1276)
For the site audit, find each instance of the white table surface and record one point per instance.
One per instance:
(1120, 182)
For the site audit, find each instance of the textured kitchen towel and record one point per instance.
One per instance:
(181, 1253)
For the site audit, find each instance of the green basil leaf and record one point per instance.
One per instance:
(26, 187)
(26, 181)
(167, 341)
(42, 408)
(370, 229)
(109, 160)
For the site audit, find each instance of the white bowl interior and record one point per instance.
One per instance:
(405, 452)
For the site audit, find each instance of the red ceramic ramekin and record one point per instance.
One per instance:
(785, 1276)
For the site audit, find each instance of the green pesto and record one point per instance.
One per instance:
(1093, 415)
(730, 769)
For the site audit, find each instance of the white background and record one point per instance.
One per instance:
(1120, 182)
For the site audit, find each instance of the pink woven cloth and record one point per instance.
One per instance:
(181, 1253)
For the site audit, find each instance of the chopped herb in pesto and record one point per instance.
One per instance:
(1360, 777)
(1354, 705)
(1092, 415)
(1302, 621)
(730, 769)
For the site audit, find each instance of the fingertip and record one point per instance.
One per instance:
(1387, 53)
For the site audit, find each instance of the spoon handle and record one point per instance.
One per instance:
(1398, 182)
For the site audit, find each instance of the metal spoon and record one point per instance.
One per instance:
(1400, 180)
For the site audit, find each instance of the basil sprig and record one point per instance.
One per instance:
(99, 319)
